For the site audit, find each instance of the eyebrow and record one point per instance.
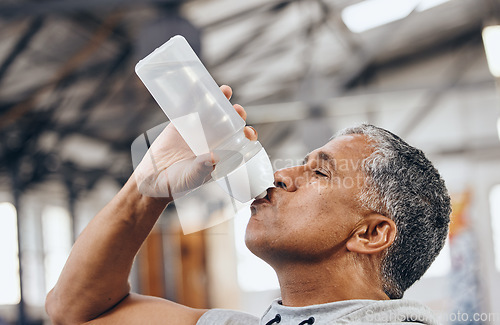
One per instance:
(322, 156)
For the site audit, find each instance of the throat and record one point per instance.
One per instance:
(310, 285)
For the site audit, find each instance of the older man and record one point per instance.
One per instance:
(347, 232)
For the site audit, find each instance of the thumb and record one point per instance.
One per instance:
(188, 174)
(198, 171)
(203, 165)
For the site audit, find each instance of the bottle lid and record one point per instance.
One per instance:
(250, 179)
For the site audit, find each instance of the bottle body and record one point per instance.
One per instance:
(189, 96)
(205, 119)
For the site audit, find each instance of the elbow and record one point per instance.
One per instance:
(55, 310)
(51, 308)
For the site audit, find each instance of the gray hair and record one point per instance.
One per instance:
(402, 184)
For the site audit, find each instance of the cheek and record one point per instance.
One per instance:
(318, 216)
(307, 219)
(310, 206)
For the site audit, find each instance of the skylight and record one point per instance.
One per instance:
(368, 14)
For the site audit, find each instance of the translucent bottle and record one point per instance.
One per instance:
(205, 119)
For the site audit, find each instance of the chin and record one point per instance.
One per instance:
(255, 241)
(260, 244)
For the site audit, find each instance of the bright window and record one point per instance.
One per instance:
(495, 222)
(9, 270)
(491, 40)
(56, 227)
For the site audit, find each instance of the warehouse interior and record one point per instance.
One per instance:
(71, 106)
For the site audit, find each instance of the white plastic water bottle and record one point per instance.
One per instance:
(205, 119)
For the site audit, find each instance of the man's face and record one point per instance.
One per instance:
(314, 207)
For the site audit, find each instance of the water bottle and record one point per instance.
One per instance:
(205, 118)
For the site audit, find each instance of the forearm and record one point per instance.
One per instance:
(95, 277)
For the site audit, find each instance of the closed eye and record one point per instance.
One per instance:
(319, 173)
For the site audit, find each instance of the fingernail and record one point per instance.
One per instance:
(254, 130)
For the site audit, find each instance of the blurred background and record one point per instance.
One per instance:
(71, 105)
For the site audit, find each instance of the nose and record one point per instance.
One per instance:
(287, 178)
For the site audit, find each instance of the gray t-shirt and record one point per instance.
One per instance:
(341, 312)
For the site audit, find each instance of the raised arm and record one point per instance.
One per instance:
(93, 286)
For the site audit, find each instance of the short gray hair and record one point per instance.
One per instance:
(402, 184)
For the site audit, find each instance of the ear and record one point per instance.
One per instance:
(372, 235)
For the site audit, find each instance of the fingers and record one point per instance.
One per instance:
(228, 92)
(250, 133)
(241, 111)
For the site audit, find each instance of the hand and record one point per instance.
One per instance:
(171, 167)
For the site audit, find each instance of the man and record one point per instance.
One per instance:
(347, 233)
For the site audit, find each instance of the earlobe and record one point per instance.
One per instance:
(372, 235)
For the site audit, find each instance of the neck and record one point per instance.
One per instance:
(305, 284)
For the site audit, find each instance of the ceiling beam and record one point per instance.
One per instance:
(36, 8)
(101, 35)
(89, 73)
(457, 69)
(21, 45)
(102, 89)
(237, 17)
(257, 34)
(362, 61)
(439, 47)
